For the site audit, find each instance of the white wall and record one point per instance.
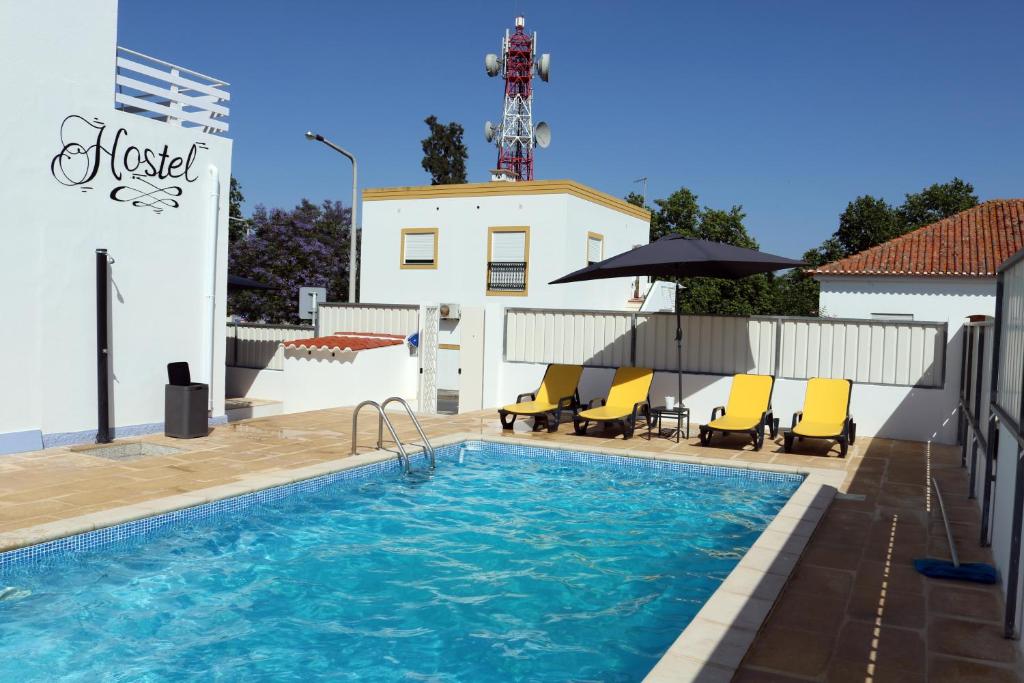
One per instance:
(59, 59)
(558, 227)
(254, 383)
(930, 299)
(322, 379)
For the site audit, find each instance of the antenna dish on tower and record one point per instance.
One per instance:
(544, 67)
(492, 65)
(489, 131)
(542, 135)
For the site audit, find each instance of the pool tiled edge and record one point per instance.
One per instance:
(714, 644)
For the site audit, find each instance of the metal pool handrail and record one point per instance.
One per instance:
(427, 446)
(403, 457)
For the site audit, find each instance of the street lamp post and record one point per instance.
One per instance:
(352, 250)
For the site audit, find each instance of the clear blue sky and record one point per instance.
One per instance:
(790, 108)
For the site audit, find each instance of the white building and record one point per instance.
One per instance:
(481, 243)
(943, 272)
(492, 245)
(104, 148)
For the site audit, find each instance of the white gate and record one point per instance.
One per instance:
(431, 318)
(471, 359)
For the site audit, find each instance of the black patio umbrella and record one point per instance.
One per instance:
(237, 282)
(677, 256)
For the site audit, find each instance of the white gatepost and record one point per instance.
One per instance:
(471, 359)
(427, 400)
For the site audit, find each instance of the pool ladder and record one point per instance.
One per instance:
(382, 420)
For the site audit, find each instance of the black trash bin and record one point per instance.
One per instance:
(185, 404)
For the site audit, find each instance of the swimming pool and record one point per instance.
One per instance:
(508, 562)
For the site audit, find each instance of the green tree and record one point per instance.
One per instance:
(796, 292)
(936, 202)
(713, 296)
(637, 199)
(307, 246)
(238, 226)
(444, 154)
(867, 221)
(680, 213)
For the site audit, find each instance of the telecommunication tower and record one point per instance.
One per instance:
(516, 136)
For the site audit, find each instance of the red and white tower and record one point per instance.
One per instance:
(516, 136)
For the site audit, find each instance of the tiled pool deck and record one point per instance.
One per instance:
(853, 610)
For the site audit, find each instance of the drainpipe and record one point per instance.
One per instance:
(102, 347)
(209, 341)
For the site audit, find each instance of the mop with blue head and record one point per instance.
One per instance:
(976, 572)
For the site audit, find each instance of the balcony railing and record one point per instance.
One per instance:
(167, 92)
(506, 276)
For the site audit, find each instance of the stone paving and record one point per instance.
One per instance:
(854, 609)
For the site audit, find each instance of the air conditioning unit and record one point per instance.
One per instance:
(449, 311)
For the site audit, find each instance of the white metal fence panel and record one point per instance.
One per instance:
(258, 347)
(381, 318)
(1011, 343)
(578, 337)
(711, 344)
(873, 351)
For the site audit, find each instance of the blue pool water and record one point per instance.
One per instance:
(506, 563)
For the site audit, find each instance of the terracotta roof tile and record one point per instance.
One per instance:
(973, 243)
(347, 341)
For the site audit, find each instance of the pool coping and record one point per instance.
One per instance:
(712, 645)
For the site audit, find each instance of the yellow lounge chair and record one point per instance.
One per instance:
(826, 414)
(627, 398)
(557, 393)
(749, 410)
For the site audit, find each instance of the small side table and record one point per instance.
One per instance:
(679, 413)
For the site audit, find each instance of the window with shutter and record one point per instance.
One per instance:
(419, 248)
(508, 254)
(595, 247)
(508, 247)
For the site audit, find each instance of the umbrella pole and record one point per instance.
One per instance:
(679, 348)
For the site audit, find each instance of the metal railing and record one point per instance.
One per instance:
(973, 411)
(506, 276)
(403, 457)
(383, 421)
(427, 446)
(1006, 407)
(167, 92)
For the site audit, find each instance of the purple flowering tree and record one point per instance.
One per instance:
(305, 247)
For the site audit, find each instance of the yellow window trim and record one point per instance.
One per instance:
(526, 257)
(586, 246)
(401, 256)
